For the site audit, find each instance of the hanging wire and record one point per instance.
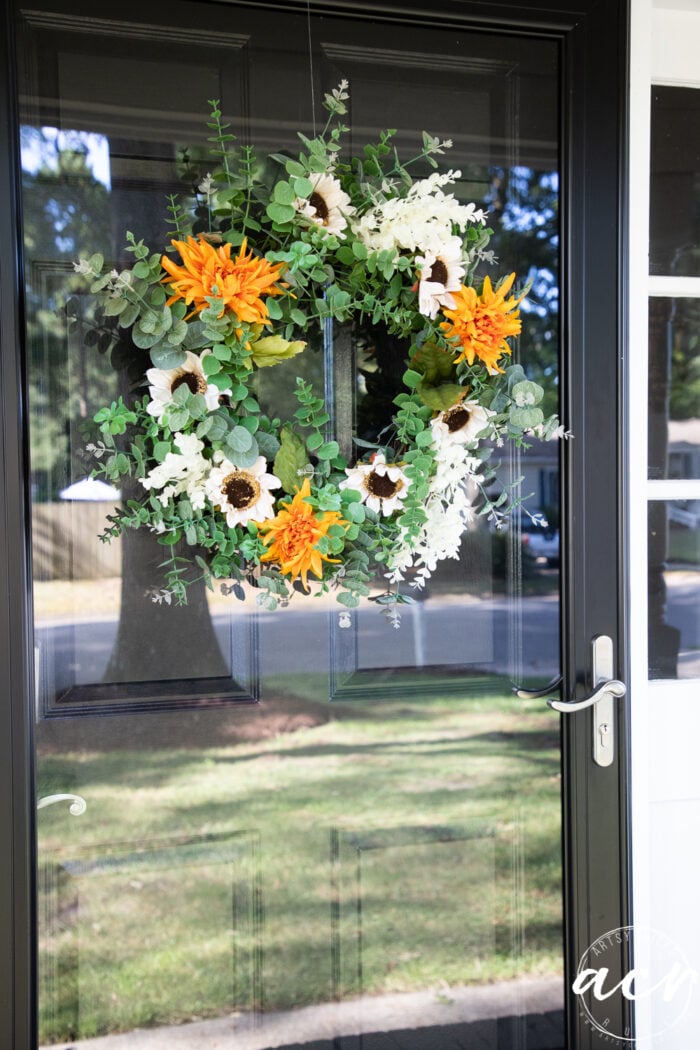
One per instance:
(311, 67)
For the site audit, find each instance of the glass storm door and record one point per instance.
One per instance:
(314, 825)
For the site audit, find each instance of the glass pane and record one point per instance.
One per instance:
(675, 182)
(674, 589)
(674, 388)
(297, 808)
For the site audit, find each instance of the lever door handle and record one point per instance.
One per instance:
(611, 686)
(77, 807)
(606, 690)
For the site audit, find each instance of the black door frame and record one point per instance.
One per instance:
(593, 42)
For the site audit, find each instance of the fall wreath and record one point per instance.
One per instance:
(253, 267)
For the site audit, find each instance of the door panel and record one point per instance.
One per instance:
(296, 831)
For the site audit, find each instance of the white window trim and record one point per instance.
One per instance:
(664, 49)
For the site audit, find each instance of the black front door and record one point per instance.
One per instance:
(304, 825)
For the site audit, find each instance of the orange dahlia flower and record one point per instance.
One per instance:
(482, 323)
(209, 270)
(293, 534)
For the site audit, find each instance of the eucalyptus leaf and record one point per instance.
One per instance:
(525, 418)
(268, 444)
(245, 459)
(196, 337)
(240, 439)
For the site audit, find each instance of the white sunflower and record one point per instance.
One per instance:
(440, 272)
(383, 485)
(328, 205)
(460, 424)
(163, 382)
(243, 495)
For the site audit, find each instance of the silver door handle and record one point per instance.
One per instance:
(77, 807)
(612, 686)
(606, 690)
(537, 694)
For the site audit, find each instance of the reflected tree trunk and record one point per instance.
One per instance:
(154, 641)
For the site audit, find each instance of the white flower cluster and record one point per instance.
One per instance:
(180, 473)
(422, 221)
(448, 510)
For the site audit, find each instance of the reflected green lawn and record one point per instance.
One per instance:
(388, 847)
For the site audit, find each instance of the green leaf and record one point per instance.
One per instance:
(167, 357)
(204, 427)
(177, 419)
(290, 460)
(434, 362)
(210, 365)
(355, 512)
(251, 424)
(283, 193)
(273, 348)
(526, 393)
(525, 418)
(268, 444)
(412, 378)
(350, 601)
(247, 459)
(441, 397)
(129, 315)
(424, 439)
(313, 442)
(329, 450)
(160, 450)
(280, 213)
(303, 187)
(195, 338)
(177, 334)
(145, 336)
(294, 167)
(113, 307)
(240, 439)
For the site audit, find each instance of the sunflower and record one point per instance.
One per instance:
(163, 382)
(383, 486)
(242, 495)
(292, 537)
(482, 323)
(460, 424)
(328, 206)
(209, 270)
(440, 273)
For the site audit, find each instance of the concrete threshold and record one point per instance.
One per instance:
(327, 1021)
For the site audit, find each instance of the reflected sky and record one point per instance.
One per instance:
(40, 147)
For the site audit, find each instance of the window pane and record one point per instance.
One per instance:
(674, 589)
(675, 181)
(674, 388)
(387, 818)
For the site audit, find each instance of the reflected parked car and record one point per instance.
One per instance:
(685, 512)
(542, 541)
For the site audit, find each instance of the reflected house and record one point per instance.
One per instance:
(684, 448)
(539, 467)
